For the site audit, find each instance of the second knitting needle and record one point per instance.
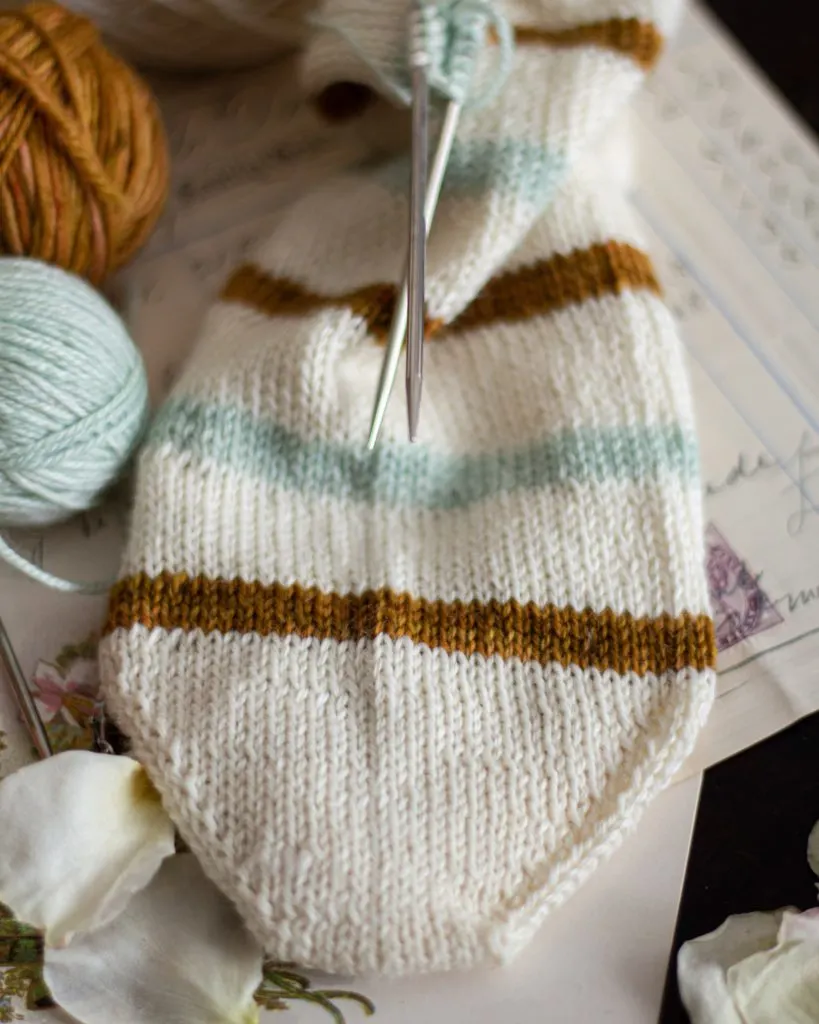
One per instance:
(22, 694)
(398, 327)
(416, 273)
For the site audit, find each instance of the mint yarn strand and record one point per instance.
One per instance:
(73, 402)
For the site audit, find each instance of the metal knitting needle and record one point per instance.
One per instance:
(398, 327)
(418, 231)
(22, 694)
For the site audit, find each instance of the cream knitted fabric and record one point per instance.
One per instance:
(401, 703)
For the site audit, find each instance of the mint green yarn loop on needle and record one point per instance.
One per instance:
(453, 35)
(73, 403)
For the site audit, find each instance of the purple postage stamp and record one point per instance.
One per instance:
(741, 607)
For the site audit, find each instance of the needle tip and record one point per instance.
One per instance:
(414, 384)
(375, 425)
(377, 422)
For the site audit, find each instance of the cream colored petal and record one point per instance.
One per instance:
(178, 953)
(800, 927)
(778, 986)
(813, 849)
(81, 832)
(703, 965)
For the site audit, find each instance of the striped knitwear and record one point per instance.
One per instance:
(401, 703)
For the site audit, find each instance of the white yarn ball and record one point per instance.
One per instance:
(195, 35)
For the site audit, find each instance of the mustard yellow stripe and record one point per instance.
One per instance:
(545, 286)
(551, 284)
(281, 296)
(588, 639)
(639, 40)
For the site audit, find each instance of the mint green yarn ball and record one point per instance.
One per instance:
(73, 394)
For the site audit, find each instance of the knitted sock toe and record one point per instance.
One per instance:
(401, 703)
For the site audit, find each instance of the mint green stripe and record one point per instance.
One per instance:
(481, 166)
(404, 474)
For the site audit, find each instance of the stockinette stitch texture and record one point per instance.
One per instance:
(400, 704)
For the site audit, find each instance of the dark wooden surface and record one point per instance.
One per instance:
(782, 37)
(756, 810)
(750, 839)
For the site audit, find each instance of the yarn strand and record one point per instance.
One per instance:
(34, 572)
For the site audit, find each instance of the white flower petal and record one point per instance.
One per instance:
(178, 954)
(813, 849)
(800, 927)
(47, 673)
(83, 672)
(778, 986)
(703, 965)
(81, 832)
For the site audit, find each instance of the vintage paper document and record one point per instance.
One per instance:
(728, 188)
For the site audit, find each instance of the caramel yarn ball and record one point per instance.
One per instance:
(83, 156)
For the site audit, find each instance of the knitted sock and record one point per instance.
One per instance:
(401, 703)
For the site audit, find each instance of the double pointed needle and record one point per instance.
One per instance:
(398, 327)
(409, 307)
(22, 694)
(416, 274)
